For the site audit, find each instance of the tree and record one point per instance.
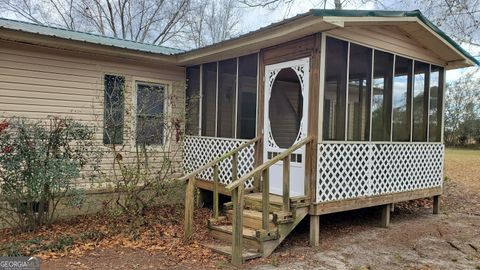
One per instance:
(211, 22)
(462, 110)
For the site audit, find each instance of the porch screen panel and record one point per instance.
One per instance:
(402, 90)
(382, 96)
(209, 98)
(247, 96)
(359, 85)
(227, 84)
(436, 106)
(420, 101)
(192, 102)
(335, 89)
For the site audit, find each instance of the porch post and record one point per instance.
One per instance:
(385, 222)
(314, 230)
(436, 205)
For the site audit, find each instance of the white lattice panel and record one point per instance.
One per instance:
(198, 151)
(347, 170)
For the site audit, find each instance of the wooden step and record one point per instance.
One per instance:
(247, 254)
(224, 233)
(253, 219)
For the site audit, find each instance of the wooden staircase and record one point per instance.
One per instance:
(251, 225)
(257, 242)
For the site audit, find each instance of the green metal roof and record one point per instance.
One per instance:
(391, 13)
(143, 47)
(85, 37)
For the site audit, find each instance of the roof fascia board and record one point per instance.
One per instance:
(262, 39)
(73, 45)
(468, 60)
(368, 19)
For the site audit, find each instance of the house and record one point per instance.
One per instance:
(328, 111)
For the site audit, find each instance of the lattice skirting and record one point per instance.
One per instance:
(347, 170)
(198, 151)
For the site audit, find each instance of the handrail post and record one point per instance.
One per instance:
(237, 225)
(265, 199)
(235, 166)
(286, 184)
(189, 205)
(215, 191)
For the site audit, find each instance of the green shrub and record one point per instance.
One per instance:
(39, 164)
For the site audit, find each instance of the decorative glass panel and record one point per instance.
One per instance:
(402, 91)
(420, 102)
(335, 89)
(436, 106)
(209, 99)
(114, 98)
(359, 86)
(382, 96)
(192, 103)
(227, 84)
(150, 117)
(247, 96)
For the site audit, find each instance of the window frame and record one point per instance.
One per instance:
(395, 54)
(166, 109)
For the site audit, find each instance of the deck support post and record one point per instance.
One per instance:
(314, 231)
(189, 206)
(436, 204)
(385, 222)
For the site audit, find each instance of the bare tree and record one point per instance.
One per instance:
(149, 21)
(272, 4)
(212, 21)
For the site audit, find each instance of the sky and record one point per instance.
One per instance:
(258, 17)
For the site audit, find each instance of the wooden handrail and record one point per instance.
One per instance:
(268, 164)
(190, 179)
(219, 159)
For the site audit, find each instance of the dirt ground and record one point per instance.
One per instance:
(416, 239)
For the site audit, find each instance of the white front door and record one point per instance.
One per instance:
(286, 117)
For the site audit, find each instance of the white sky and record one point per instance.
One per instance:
(259, 17)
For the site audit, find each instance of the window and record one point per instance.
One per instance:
(247, 96)
(359, 88)
(113, 109)
(420, 101)
(402, 91)
(150, 114)
(227, 85)
(436, 104)
(209, 99)
(382, 96)
(192, 103)
(335, 89)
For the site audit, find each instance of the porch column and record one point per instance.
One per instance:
(314, 230)
(385, 221)
(436, 205)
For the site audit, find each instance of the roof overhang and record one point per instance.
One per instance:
(83, 46)
(412, 23)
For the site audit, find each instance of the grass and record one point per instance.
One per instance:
(462, 165)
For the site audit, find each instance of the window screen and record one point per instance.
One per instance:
(382, 96)
(436, 106)
(114, 99)
(359, 88)
(335, 89)
(150, 114)
(227, 85)
(420, 101)
(247, 96)
(209, 99)
(192, 103)
(402, 91)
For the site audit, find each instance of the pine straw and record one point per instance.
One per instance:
(163, 233)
